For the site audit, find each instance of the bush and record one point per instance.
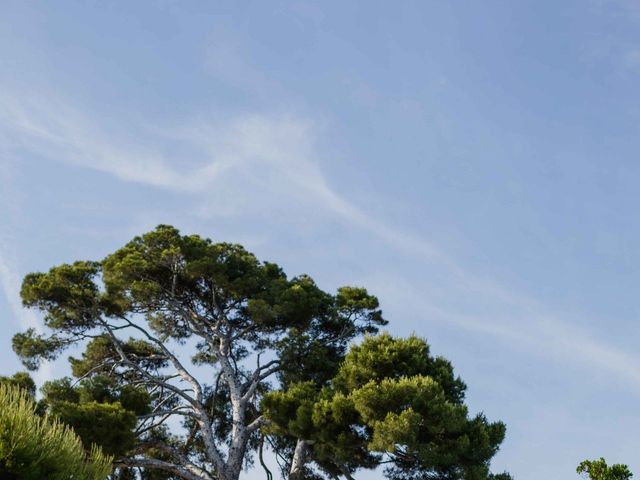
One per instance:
(35, 447)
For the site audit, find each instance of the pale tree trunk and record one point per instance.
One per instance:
(242, 393)
(299, 459)
(241, 396)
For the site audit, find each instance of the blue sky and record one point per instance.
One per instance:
(474, 164)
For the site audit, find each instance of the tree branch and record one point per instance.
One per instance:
(189, 472)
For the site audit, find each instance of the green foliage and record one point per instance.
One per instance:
(100, 349)
(99, 411)
(386, 399)
(33, 348)
(108, 425)
(22, 380)
(384, 356)
(389, 397)
(67, 293)
(291, 411)
(599, 470)
(33, 447)
(161, 273)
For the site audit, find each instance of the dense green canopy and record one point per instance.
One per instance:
(390, 401)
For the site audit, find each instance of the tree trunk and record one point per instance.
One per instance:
(235, 457)
(299, 459)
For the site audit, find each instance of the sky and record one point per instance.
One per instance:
(473, 164)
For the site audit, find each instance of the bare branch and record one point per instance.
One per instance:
(257, 423)
(175, 411)
(189, 472)
(151, 379)
(258, 376)
(260, 456)
(172, 358)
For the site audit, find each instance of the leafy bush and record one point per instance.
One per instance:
(34, 447)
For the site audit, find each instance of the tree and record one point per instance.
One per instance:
(22, 380)
(180, 328)
(165, 289)
(34, 447)
(599, 470)
(390, 403)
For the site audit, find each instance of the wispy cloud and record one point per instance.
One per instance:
(267, 154)
(56, 131)
(547, 335)
(516, 321)
(250, 160)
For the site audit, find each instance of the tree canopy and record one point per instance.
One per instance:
(197, 355)
(391, 400)
(599, 470)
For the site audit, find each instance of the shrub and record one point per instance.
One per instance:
(35, 447)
